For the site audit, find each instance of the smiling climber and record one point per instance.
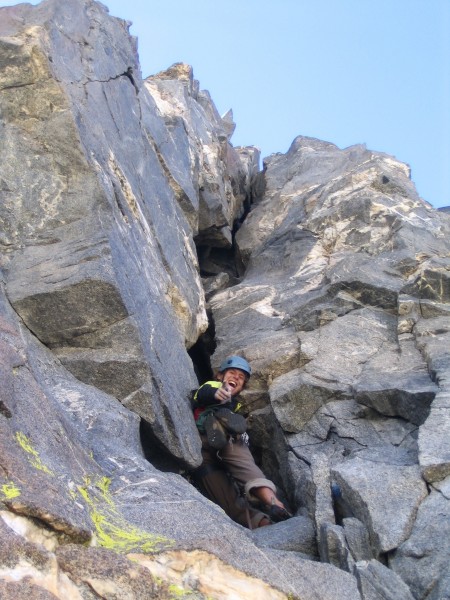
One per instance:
(227, 460)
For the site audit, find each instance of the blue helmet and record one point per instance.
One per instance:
(236, 362)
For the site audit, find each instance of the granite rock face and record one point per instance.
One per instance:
(343, 313)
(138, 249)
(96, 247)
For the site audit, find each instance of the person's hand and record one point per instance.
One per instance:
(223, 394)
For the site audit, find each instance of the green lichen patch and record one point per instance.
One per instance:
(103, 485)
(113, 531)
(33, 455)
(178, 593)
(9, 491)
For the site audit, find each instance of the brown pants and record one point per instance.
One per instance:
(235, 460)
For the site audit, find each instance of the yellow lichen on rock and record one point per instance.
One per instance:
(112, 530)
(9, 491)
(33, 454)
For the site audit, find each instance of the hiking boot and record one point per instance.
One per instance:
(232, 422)
(216, 434)
(278, 513)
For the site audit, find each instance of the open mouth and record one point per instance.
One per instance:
(232, 384)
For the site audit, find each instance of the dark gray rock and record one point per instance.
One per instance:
(102, 571)
(401, 385)
(296, 534)
(357, 538)
(433, 338)
(330, 352)
(305, 486)
(37, 467)
(310, 580)
(250, 157)
(98, 248)
(297, 396)
(334, 548)
(422, 560)
(201, 136)
(384, 496)
(407, 395)
(433, 282)
(322, 505)
(355, 427)
(376, 582)
(341, 428)
(434, 445)
(215, 284)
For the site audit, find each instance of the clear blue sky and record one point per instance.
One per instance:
(345, 71)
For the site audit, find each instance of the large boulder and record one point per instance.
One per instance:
(99, 258)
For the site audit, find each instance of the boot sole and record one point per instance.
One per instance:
(217, 437)
(231, 421)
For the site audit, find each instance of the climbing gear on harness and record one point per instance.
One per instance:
(232, 422)
(235, 362)
(220, 423)
(200, 422)
(215, 432)
(245, 439)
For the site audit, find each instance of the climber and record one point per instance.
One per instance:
(227, 460)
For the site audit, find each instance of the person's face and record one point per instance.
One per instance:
(235, 380)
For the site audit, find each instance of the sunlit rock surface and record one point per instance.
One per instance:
(136, 244)
(343, 311)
